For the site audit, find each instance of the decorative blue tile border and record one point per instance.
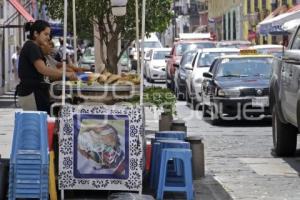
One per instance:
(107, 168)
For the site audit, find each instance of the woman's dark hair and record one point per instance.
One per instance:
(38, 26)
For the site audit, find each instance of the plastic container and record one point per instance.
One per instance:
(148, 155)
(51, 127)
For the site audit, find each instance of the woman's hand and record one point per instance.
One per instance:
(72, 76)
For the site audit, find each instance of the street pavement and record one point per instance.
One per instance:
(239, 163)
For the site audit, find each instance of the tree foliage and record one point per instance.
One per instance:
(89, 12)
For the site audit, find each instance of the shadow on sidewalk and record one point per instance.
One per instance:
(207, 188)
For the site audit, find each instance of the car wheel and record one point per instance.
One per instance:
(215, 115)
(187, 97)
(178, 94)
(194, 103)
(284, 136)
(205, 111)
(172, 85)
(151, 80)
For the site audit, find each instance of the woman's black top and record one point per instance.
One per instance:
(30, 79)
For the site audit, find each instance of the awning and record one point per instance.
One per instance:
(16, 4)
(274, 25)
(291, 26)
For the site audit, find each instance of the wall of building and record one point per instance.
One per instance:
(9, 39)
(225, 19)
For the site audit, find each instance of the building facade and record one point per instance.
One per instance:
(225, 19)
(238, 19)
(11, 35)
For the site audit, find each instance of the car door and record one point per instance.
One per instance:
(189, 77)
(290, 77)
(208, 86)
(186, 60)
(148, 58)
(170, 62)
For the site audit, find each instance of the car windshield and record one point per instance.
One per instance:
(152, 44)
(245, 67)
(207, 58)
(181, 48)
(89, 53)
(160, 55)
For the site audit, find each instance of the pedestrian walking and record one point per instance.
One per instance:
(15, 61)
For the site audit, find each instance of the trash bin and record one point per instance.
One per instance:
(198, 164)
(4, 170)
(178, 125)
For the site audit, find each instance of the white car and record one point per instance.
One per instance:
(155, 65)
(201, 63)
(149, 43)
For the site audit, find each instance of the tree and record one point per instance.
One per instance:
(98, 12)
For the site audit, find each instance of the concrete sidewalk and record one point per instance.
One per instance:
(208, 188)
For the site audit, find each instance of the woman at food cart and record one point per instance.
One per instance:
(48, 51)
(33, 91)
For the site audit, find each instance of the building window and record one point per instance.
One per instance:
(229, 27)
(234, 25)
(255, 3)
(264, 4)
(1, 10)
(224, 27)
(248, 6)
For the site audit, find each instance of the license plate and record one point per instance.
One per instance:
(260, 101)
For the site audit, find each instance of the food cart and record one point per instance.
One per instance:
(101, 146)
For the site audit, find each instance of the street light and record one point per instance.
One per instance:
(118, 7)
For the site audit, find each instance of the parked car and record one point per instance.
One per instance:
(201, 63)
(176, 53)
(272, 49)
(124, 64)
(285, 99)
(149, 43)
(87, 61)
(183, 70)
(155, 67)
(240, 44)
(237, 87)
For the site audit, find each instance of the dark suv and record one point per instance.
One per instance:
(285, 98)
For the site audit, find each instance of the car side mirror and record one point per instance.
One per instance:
(207, 75)
(188, 67)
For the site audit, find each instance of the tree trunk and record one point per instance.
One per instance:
(112, 54)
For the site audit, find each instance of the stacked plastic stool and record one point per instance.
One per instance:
(186, 184)
(29, 164)
(155, 146)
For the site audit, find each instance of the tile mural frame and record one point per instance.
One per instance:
(67, 180)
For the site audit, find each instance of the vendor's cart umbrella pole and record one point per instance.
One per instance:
(64, 55)
(137, 45)
(74, 34)
(142, 56)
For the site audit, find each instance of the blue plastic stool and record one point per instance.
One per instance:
(181, 135)
(29, 163)
(186, 185)
(153, 158)
(159, 145)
